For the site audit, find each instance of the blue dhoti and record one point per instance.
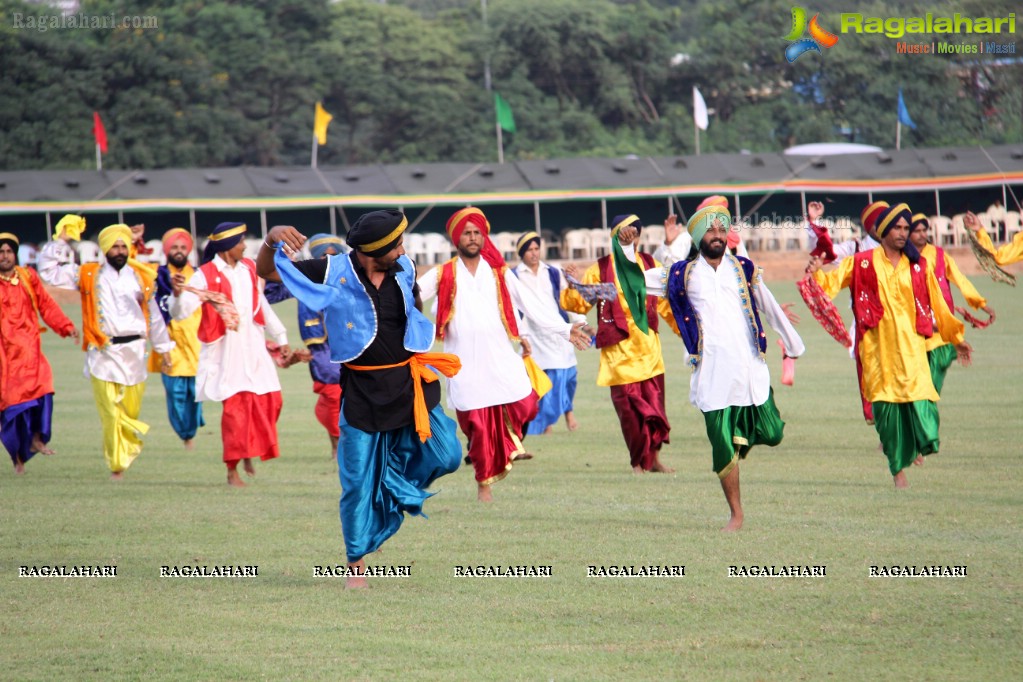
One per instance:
(19, 423)
(184, 412)
(555, 402)
(384, 475)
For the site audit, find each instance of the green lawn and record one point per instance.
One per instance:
(824, 496)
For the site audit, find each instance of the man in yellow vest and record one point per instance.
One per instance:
(184, 412)
(118, 313)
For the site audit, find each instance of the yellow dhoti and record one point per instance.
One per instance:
(119, 408)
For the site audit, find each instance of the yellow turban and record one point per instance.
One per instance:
(109, 236)
(73, 225)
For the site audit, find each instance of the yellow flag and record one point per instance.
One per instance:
(323, 119)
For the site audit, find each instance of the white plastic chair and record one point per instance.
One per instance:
(437, 248)
(600, 242)
(88, 252)
(578, 245)
(651, 237)
(1012, 224)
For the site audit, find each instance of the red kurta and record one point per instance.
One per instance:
(24, 372)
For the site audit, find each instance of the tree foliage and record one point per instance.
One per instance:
(224, 82)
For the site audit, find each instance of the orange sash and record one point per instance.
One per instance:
(447, 364)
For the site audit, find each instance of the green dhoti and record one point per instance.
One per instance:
(906, 430)
(939, 360)
(734, 430)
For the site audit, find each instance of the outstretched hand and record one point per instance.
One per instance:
(572, 270)
(814, 265)
(789, 313)
(814, 211)
(671, 229)
(971, 222)
(292, 238)
(964, 352)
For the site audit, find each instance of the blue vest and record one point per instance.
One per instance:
(348, 313)
(689, 321)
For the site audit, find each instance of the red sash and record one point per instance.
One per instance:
(447, 286)
(867, 301)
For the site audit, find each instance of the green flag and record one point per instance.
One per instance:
(504, 114)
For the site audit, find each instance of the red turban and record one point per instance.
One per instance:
(473, 216)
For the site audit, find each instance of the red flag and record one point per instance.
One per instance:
(99, 132)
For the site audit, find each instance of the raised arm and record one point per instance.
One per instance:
(293, 241)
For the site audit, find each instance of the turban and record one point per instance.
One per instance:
(525, 241)
(224, 238)
(917, 219)
(868, 216)
(12, 241)
(473, 216)
(321, 241)
(887, 218)
(177, 235)
(701, 221)
(73, 225)
(111, 234)
(624, 220)
(715, 200)
(377, 232)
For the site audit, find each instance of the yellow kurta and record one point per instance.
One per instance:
(185, 333)
(956, 277)
(893, 354)
(1006, 253)
(636, 358)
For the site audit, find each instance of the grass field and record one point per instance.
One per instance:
(823, 497)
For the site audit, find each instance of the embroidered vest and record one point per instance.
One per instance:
(867, 306)
(88, 274)
(212, 326)
(689, 321)
(940, 273)
(612, 326)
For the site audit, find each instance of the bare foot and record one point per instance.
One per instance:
(880, 447)
(659, 468)
(19, 468)
(900, 480)
(549, 430)
(483, 493)
(524, 456)
(250, 469)
(919, 461)
(357, 582)
(39, 446)
(233, 479)
(638, 470)
(571, 422)
(117, 476)
(734, 524)
(333, 446)
(189, 444)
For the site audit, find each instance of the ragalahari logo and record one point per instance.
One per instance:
(818, 36)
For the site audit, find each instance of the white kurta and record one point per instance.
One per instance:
(730, 373)
(120, 297)
(56, 265)
(238, 361)
(550, 350)
(492, 371)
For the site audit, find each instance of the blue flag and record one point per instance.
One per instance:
(904, 118)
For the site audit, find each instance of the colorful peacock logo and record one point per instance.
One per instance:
(818, 36)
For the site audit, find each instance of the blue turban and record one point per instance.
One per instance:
(224, 238)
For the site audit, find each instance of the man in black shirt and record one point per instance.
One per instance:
(395, 438)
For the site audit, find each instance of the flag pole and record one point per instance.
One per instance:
(99, 158)
(312, 158)
(500, 143)
(696, 131)
(898, 134)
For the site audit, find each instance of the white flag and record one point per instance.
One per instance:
(699, 110)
